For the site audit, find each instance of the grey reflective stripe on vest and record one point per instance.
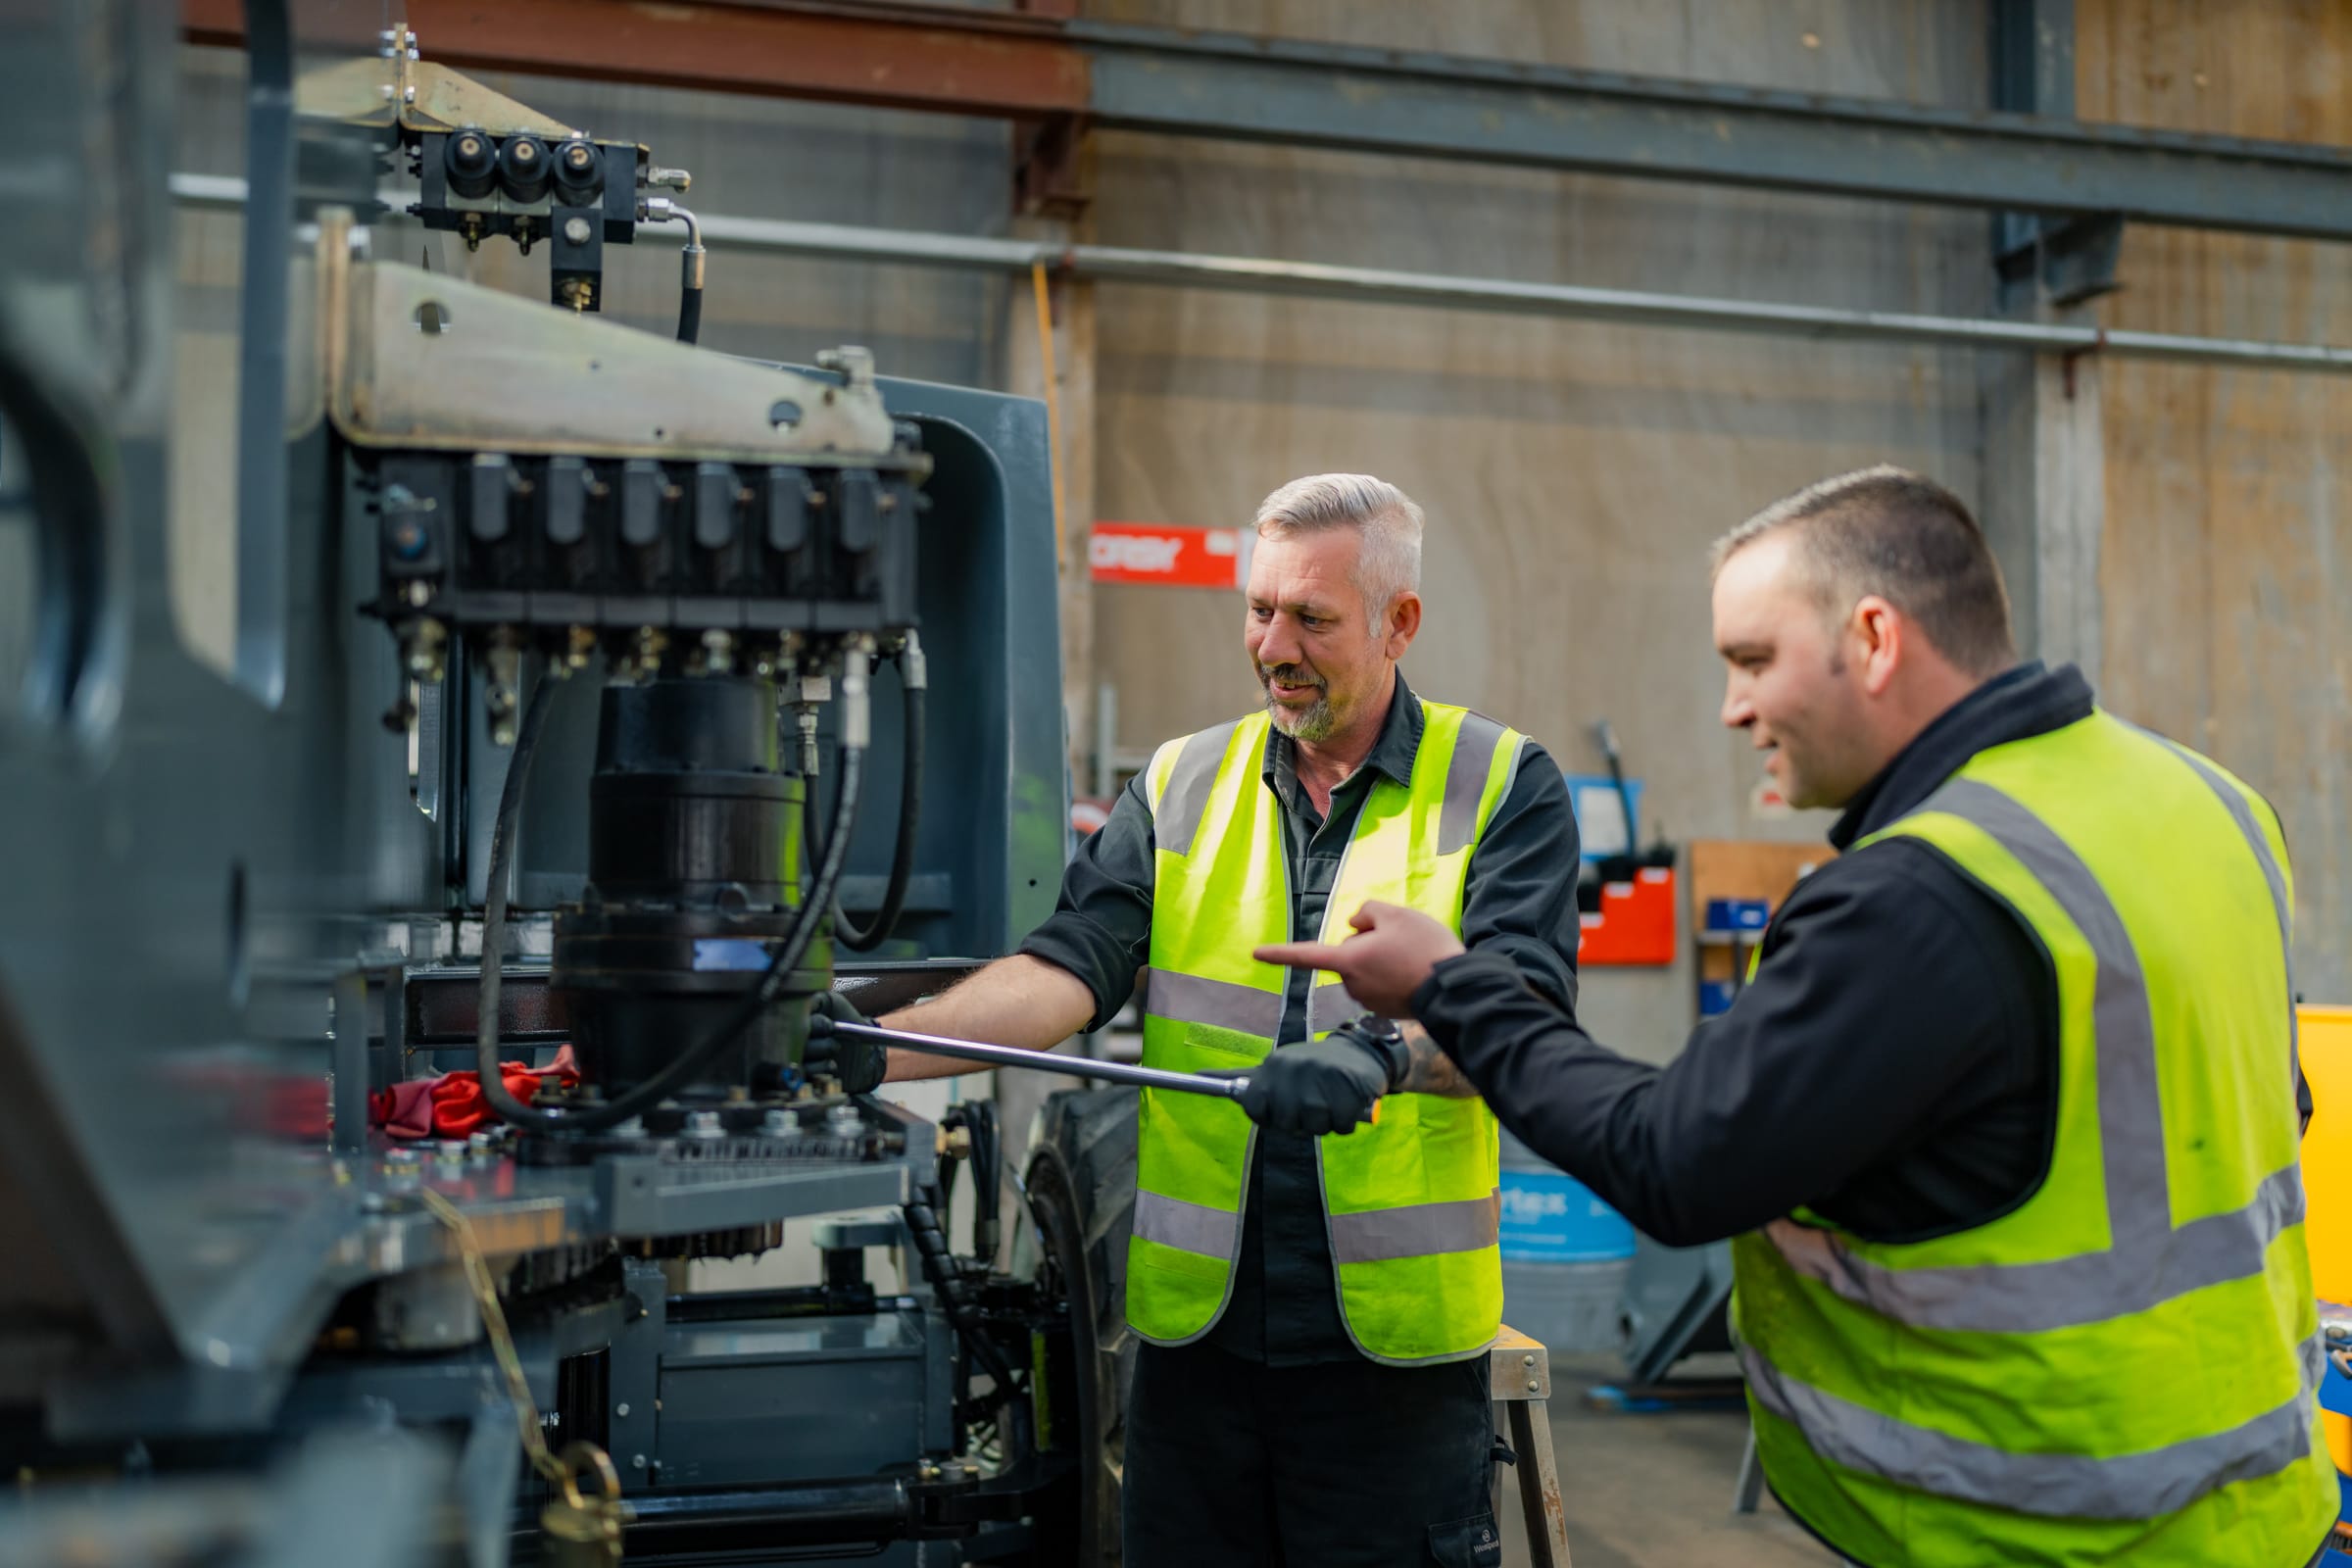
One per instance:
(1466, 780)
(2147, 1262)
(1329, 1006)
(1176, 820)
(2242, 812)
(1186, 1227)
(2060, 1293)
(1417, 1230)
(2131, 1485)
(1219, 1004)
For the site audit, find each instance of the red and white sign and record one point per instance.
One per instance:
(1166, 553)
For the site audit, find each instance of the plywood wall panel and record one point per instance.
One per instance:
(1574, 473)
(2227, 569)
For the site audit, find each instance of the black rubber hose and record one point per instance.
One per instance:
(930, 1241)
(847, 931)
(690, 314)
(681, 1068)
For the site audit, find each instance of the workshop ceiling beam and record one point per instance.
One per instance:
(999, 65)
(1231, 87)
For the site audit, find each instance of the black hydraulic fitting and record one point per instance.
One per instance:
(579, 174)
(524, 168)
(470, 162)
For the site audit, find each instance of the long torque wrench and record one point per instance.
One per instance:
(1118, 1072)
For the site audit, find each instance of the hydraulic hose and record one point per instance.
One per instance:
(661, 210)
(938, 1262)
(914, 684)
(681, 1068)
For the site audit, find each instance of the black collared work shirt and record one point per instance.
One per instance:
(1518, 904)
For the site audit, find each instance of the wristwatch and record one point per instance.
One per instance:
(1384, 1039)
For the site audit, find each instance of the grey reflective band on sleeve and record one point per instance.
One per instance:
(2147, 1262)
(1219, 1004)
(1416, 1230)
(1176, 822)
(1186, 1227)
(1466, 781)
(2130, 1485)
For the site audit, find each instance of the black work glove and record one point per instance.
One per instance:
(855, 1064)
(1328, 1084)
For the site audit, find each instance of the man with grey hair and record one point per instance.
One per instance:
(1315, 1296)
(2004, 1124)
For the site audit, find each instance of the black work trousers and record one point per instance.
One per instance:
(1346, 1464)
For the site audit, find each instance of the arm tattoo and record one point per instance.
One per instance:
(1429, 1070)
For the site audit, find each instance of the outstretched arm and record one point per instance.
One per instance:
(1021, 1000)
(1835, 1057)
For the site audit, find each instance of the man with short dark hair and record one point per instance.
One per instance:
(2005, 1122)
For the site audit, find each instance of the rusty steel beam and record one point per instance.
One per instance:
(1001, 65)
(1034, 66)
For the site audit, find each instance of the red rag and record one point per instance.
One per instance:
(405, 1109)
(460, 1106)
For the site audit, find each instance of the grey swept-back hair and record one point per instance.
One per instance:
(1389, 521)
(1889, 531)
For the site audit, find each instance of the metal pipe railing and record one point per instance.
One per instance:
(1372, 285)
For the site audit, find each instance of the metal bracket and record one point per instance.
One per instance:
(1051, 159)
(634, 1385)
(2067, 262)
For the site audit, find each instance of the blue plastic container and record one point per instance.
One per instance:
(1550, 1217)
(1565, 1255)
(1738, 914)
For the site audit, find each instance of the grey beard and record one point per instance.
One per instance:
(1312, 726)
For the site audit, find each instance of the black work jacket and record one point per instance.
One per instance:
(1893, 1065)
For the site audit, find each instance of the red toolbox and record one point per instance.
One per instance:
(1634, 923)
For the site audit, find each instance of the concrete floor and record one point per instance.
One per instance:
(1654, 1490)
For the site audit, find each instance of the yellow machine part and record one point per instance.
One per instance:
(2327, 1151)
(2327, 1178)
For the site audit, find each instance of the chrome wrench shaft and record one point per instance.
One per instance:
(1118, 1072)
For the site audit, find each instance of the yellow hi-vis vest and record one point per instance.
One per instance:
(2120, 1369)
(1412, 1204)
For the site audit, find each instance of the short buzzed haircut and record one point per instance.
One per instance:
(1389, 562)
(1887, 531)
